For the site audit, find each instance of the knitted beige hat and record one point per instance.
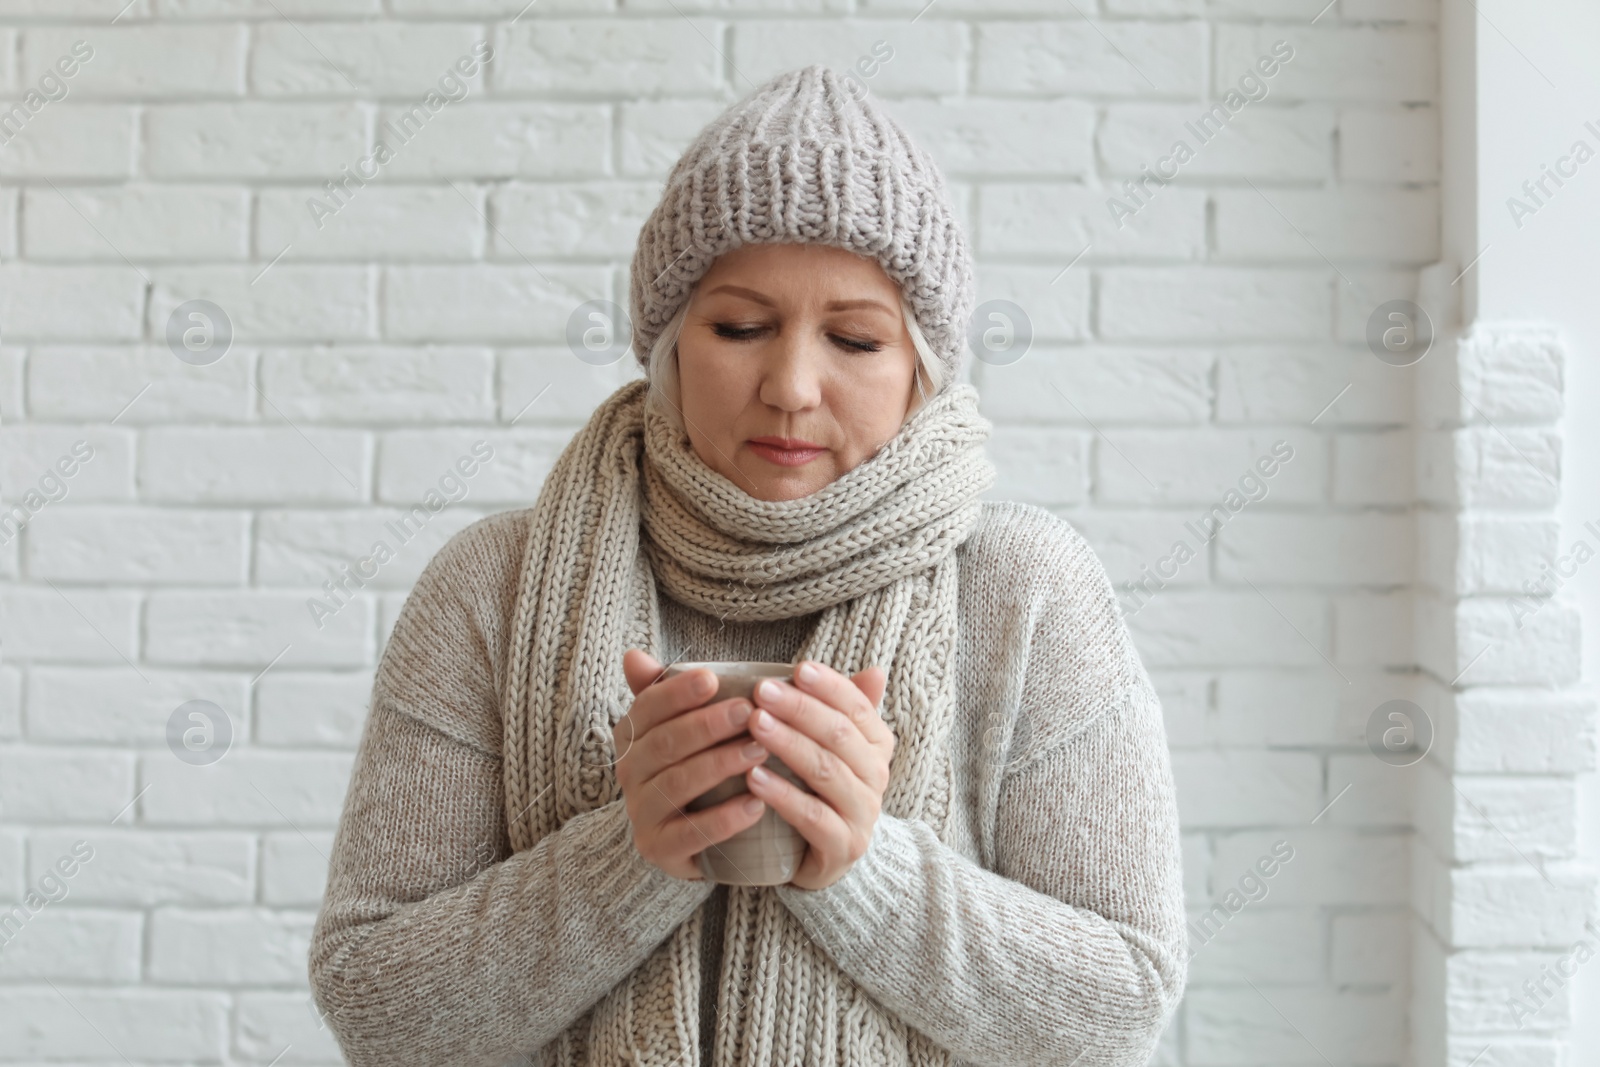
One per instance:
(802, 160)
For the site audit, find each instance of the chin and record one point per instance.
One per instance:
(787, 486)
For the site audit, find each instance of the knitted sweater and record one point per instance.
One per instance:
(1048, 931)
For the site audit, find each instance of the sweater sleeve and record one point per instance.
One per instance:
(1072, 950)
(434, 943)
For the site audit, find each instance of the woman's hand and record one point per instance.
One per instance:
(829, 733)
(670, 751)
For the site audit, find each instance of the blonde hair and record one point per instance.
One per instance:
(661, 366)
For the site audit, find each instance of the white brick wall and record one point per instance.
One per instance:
(372, 350)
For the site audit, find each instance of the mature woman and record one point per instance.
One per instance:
(992, 871)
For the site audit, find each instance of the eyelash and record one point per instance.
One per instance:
(745, 333)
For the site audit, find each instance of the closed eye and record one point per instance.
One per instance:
(855, 345)
(735, 333)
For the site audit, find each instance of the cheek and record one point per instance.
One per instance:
(712, 385)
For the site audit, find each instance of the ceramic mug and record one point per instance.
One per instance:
(768, 852)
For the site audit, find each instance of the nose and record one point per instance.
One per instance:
(791, 378)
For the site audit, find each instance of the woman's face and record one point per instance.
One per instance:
(794, 365)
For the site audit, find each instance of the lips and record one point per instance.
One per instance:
(786, 451)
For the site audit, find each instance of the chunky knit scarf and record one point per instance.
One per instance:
(629, 505)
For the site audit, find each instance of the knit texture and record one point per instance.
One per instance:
(802, 160)
(1043, 925)
(628, 504)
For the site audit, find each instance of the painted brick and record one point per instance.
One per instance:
(45, 1024)
(73, 141)
(255, 465)
(543, 385)
(486, 140)
(980, 137)
(252, 140)
(654, 133)
(206, 947)
(137, 546)
(252, 629)
(143, 223)
(588, 220)
(1384, 145)
(371, 221)
(101, 468)
(1138, 303)
(143, 61)
(927, 57)
(307, 549)
(58, 303)
(265, 302)
(1112, 58)
(647, 57)
(1358, 63)
(1234, 788)
(316, 710)
(352, 384)
(81, 945)
(1368, 549)
(514, 303)
(43, 785)
(1057, 222)
(72, 625)
(1293, 1026)
(1369, 947)
(1398, 225)
(276, 790)
(97, 705)
(1266, 142)
(1080, 386)
(136, 385)
(294, 869)
(386, 59)
(266, 1024)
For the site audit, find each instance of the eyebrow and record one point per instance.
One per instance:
(835, 305)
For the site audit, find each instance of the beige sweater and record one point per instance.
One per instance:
(1050, 931)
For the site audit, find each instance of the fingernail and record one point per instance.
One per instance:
(753, 805)
(760, 774)
(807, 672)
(769, 690)
(740, 713)
(754, 750)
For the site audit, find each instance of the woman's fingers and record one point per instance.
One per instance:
(833, 731)
(657, 702)
(829, 834)
(830, 776)
(699, 830)
(670, 792)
